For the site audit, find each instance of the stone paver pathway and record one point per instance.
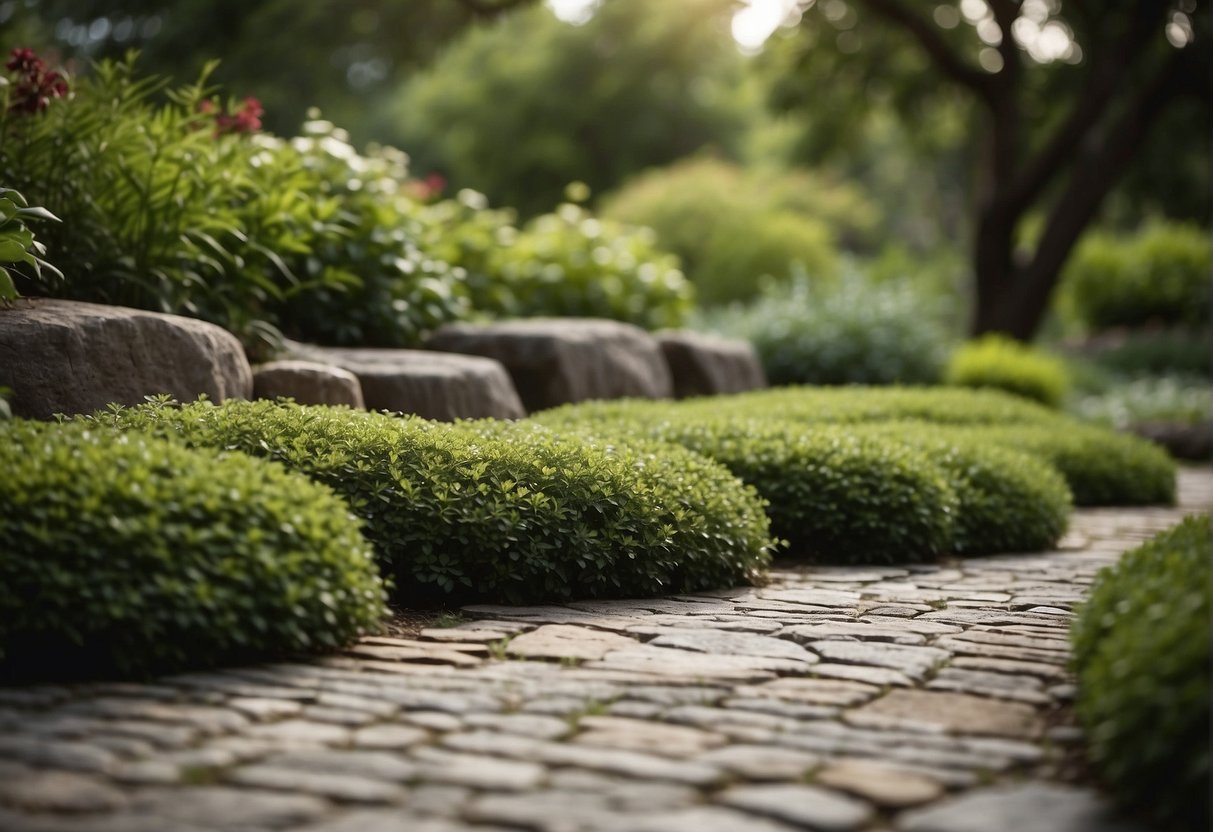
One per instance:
(918, 699)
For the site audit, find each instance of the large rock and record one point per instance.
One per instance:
(307, 382)
(556, 361)
(704, 365)
(61, 356)
(428, 384)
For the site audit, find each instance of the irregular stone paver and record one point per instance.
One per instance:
(924, 698)
(958, 712)
(805, 806)
(565, 641)
(886, 786)
(1028, 807)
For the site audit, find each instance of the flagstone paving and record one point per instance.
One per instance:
(917, 699)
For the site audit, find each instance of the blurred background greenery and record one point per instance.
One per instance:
(896, 173)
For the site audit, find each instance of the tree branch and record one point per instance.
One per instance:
(491, 8)
(937, 49)
(1099, 171)
(1101, 86)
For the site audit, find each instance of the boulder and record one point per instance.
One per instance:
(705, 365)
(307, 382)
(430, 385)
(61, 356)
(556, 361)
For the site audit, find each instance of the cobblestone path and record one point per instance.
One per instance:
(922, 699)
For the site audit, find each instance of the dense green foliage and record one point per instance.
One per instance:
(1007, 501)
(528, 516)
(125, 553)
(570, 264)
(1005, 364)
(1182, 400)
(521, 108)
(1158, 275)
(1140, 352)
(874, 490)
(834, 494)
(852, 330)
(1101, 467)
(731, 226)
(181, 205)
(19, 251)
(1141, 652)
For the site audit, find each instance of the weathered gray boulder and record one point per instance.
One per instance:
(307, 382)
(62, 356)
(555, 361)
(705, 365)
(431, 385)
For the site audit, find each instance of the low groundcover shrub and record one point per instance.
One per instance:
(1005, 364)
(128, 554)
(454, 510)
(1141, 651)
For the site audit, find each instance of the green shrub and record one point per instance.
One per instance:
(1144, 352)
(18, 248)
(1005, 364)
(453, 511)
(1179, 399)
(365, 279)
(469, 235)
(131, 554)
(1102, 468)
(833, 494)
(731, 226)
(850, 331)
(1007, 501)
(570, 264)
(939, 405)
(1158, 275)
(178, 205)
(1141, 652)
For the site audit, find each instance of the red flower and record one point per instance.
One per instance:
(245, 120)
(34, 86)
(23, 60)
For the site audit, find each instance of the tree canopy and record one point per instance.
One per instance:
(1061, 100)
(520, 108)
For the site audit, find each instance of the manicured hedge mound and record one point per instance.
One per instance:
(454, 510)
(1008, 501)
(1006, 364)
(834, 495)
(1102, 467)
(121, 553)
(1141, 651)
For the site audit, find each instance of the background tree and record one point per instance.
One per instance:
(1061, 101)
(519, 108)
(341, 55)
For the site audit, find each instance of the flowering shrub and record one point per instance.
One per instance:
(33, 85)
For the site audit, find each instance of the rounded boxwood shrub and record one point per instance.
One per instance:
(1102, 468)
(1007, 501)
(456, 511)
(1005, 364)
(126, 553)
(835, 494)
(1160, 274)
(1141, 652)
